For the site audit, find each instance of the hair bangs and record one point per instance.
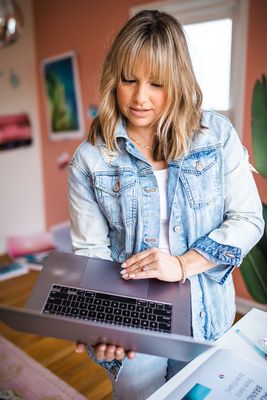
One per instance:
(151, 54)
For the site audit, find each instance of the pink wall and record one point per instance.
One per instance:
(88, 28)
(256, 66)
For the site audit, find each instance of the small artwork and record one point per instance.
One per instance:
(15, 131)
(63, 101)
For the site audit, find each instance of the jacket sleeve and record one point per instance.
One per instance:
(243, 224)
(89, 227)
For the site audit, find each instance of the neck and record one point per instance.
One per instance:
(143, 139)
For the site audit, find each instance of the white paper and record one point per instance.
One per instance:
(224, 376)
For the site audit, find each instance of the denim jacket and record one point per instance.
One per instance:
(213, 207)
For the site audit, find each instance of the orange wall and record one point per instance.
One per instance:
(88, 28)
(256, 66)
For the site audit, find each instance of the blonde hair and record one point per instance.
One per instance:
(160, 38)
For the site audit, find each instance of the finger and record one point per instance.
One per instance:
(137, 257)
(138, 266)
(130, 354)
(119, 353)
(80, 348)
(152, 273)
(100, 351)
(110, 352)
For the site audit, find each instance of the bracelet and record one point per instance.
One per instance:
(183, 270)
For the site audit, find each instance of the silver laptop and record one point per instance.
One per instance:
(85, 300)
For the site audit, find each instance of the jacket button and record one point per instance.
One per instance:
(202, 314)
(150, 190)
(199, 167)
(150, 240)
(231, 255)
(117, 187)
(177, 228)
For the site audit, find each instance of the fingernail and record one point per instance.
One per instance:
(125, 276)
(123, 271)
(123, 265)
(131, 275)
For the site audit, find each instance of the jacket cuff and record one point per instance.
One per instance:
(113, 367)
(226, 257)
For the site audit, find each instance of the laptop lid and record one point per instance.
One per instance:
(178, 347)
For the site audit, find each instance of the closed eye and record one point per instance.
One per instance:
(157, 85)
(124, 80)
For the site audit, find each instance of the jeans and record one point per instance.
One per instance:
(142, 376)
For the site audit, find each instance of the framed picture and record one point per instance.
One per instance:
(63, 97)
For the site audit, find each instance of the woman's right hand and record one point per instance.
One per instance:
(107, 352)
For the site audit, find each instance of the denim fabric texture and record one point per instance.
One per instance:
(214, 208)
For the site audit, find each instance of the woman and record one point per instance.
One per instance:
(162, 187)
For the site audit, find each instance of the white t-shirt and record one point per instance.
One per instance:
(162, 180)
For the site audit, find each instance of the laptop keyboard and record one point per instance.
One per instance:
(108, 308)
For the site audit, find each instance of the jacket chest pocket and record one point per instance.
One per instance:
(116, 196)
(201, 178)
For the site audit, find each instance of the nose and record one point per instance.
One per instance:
(140, 94)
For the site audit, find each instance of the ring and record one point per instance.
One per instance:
(145, 269)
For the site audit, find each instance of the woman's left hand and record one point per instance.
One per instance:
(152, 263)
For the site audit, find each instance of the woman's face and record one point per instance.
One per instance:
(141, 100)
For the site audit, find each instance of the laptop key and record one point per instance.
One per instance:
(54, 300)
(168, 307)
(142, 316)
(166, 320)
(83, 313)
(144, 323)
(59, 295)
(162, 312)
(92, 314)
(49, 306)
(165, 327)
(134, 314)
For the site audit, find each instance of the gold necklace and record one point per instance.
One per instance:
(140, 144)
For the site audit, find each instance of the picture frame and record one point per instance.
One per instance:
(63, 97)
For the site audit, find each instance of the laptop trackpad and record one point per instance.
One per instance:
(105, 276)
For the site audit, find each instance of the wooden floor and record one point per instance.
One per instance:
(58, 356)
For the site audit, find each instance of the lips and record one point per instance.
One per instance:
(139, 112)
